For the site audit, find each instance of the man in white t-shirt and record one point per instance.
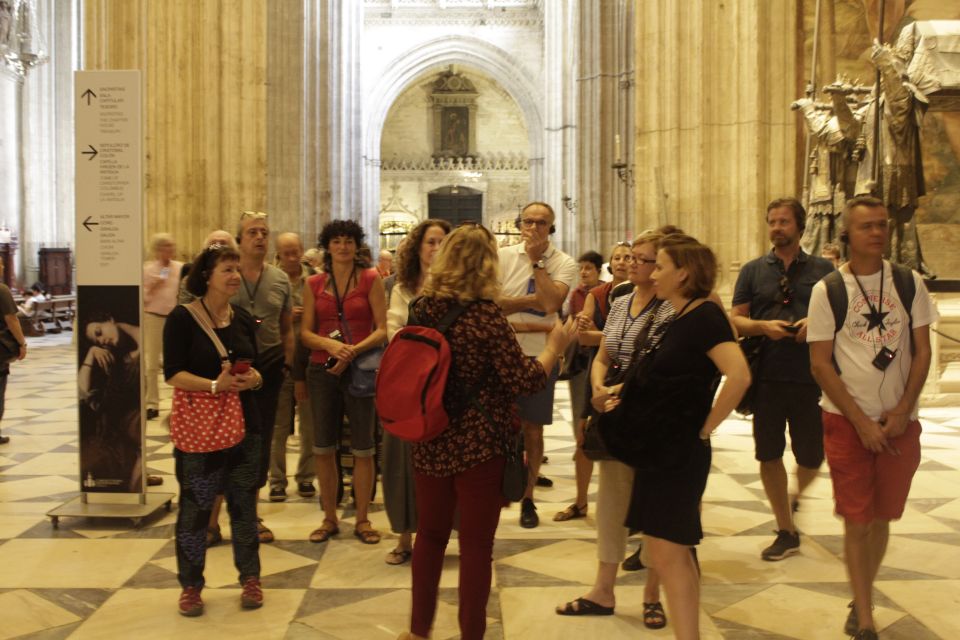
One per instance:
(871, 372)
(535, 278)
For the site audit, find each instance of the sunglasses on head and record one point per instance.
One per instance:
(786, 290)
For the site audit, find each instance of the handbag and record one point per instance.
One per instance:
(752, 348)
(593, 446)
(200, 421)
(9, 347)
(514, 482)
(363, 373)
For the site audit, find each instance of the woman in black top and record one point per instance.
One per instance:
(192, 363)
(672, 403)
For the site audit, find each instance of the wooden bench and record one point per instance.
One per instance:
(54, 315)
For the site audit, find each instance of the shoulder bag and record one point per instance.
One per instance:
(200, 421)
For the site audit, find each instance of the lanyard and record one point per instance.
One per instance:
(252, 296)
(626, 327)
(336, 294)
(875, 315)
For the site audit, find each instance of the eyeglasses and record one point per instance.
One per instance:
(786, 290)
(530, 222)
(623, 243)
(639, 260)
(256, 215)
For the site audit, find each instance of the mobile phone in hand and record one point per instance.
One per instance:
(242, 365)
(791, 328)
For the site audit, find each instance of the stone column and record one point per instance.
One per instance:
(347, 166)
(558, 86)
(714, 119)
(284, 116)
(11, 176)
(606, 110)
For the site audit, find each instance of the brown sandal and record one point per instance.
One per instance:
(263, 532)
(572, 512)
(326, 531)
(368, 535)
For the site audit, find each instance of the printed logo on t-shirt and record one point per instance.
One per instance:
(879, 326)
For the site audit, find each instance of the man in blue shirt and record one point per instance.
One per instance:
(770, 300)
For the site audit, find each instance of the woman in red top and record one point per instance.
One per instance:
(344, 315)
(463, 466)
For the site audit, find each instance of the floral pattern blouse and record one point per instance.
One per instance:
(487, 365)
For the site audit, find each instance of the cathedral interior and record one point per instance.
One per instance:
(624, 115)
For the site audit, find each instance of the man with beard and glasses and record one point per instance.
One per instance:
(770, 300)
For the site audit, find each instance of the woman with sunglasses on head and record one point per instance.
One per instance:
(671, 412)
(629, 315)
(414, 258)
(463, 466)
(193, 363)
(344, 316)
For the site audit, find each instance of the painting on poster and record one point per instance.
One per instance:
(108, 334)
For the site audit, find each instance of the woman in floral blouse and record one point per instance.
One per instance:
(464, 464)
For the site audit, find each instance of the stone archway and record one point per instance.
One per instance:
(434, 55)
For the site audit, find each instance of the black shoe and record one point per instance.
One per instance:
(633, 563)
(528, 514)
(543, 481)
(786, 544)
(4, 439)
(153, 414)
(306, 489)
(154, 481)
(852, 625)
(544, 460)
(278, 494)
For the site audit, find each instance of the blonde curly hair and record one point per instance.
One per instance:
(466, 267)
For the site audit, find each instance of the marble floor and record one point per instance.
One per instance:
(106, 579)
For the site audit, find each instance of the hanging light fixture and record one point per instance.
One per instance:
(21, 44)
(32, 49)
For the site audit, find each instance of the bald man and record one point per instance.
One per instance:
(293, 391)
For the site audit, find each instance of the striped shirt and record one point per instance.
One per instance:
(622, 329)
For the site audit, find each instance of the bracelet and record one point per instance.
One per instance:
(259, 384)
(85, 364)
(213, 387)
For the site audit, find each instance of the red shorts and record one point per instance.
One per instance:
(867, 485)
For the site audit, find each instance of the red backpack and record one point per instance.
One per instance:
(412, 378)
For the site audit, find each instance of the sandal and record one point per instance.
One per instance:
(214, 537)
(368, 535)
(326, 531)
(584, 607)
(654, 616)
(263, 533)
(572, 512)
(398, 556)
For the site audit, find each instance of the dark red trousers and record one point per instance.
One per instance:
(477, 492)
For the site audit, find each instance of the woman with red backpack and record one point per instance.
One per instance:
(464, 464)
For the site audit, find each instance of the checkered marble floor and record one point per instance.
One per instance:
(106, 579)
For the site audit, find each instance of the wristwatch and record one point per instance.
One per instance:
(540, 264)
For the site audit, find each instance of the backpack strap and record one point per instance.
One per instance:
(448, 319)
(906, 288)
(837, 297)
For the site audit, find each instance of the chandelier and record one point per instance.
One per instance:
(21, 45)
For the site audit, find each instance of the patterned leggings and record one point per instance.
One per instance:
(232, 472)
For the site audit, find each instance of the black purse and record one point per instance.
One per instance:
(752, 348)
(593, 446)
(514, 482)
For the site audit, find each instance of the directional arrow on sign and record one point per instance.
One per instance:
(86, 223)
(92, 153)
(88, 94)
